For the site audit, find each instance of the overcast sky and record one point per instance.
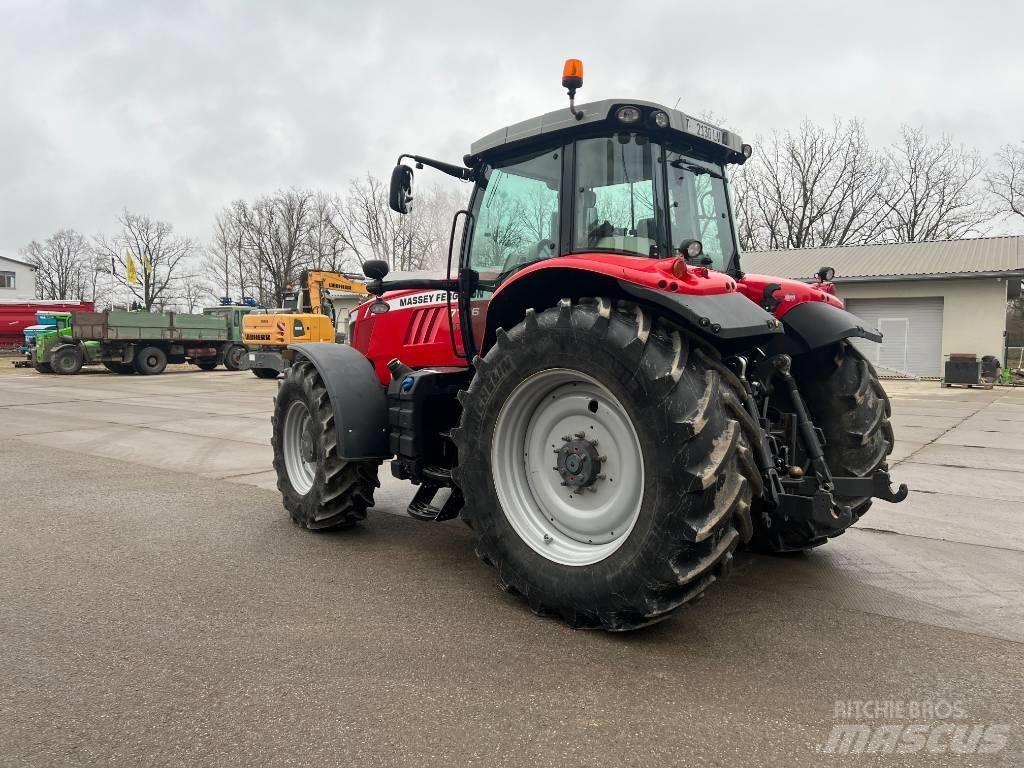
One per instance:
(173, 109)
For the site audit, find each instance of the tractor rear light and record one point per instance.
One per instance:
(628, 115)
(679, 268)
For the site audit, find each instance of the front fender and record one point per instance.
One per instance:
(358, 400)
(813, 325)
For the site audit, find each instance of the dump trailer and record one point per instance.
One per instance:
(141, 342)
(603, 394)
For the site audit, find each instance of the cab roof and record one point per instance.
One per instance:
(561, 120)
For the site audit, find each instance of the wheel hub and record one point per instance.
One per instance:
(579, 462)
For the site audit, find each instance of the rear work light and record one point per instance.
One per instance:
(628, 115)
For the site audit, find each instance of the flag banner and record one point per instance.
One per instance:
(133, 276)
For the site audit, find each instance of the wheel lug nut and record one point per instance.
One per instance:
(567, 438)
(581, 435)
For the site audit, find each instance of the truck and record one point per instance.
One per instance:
(142, 342)
(315, 311)
(597, 387)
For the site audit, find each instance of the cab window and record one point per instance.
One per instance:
(697, 207)
(617, 185)
(516, 216)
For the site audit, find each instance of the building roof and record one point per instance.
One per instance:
(939, 259)
(17, 261)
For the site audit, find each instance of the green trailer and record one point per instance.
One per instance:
(143, 342)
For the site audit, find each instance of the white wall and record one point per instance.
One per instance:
(974, 311)
(24, 281)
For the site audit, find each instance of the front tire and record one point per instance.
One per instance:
(847, 402)
(320, 490)
(67, 361)
(671, 469)
(265, 373)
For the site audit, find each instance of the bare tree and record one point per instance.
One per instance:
(1006, 181)
(816, 187)
(414, 241)
(932, 190)
(64, 265)
(156, 252)
(192, 289)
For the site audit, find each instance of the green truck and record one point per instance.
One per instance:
(141, 342)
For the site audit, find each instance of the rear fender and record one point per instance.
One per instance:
(711, 308)
(357, 397)
(813, 325)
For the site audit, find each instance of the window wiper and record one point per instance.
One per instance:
(696, 170)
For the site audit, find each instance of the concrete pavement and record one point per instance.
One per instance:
(157, 607)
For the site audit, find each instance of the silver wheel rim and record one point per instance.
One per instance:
(296, 444)
(566, 524)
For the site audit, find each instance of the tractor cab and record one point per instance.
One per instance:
(613, 185)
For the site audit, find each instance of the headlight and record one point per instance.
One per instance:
(628, 115)
(660, 119)
(747, 150)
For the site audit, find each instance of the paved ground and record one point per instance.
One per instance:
(157, 608)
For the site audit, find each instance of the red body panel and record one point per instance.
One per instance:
(417, 329)
(792, 294)
(15, 317)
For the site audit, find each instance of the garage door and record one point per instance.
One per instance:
(912, 330)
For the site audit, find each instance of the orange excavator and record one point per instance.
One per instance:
(315, 311)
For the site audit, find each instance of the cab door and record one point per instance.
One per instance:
(515, 221)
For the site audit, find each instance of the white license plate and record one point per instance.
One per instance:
(705, 131)
(252, 358)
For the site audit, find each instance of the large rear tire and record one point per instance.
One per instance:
(320, 490)
(848, 403)
(590, 396)
(150, 361)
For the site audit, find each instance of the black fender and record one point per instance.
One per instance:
(814, 325)
(358, 399)
(726, 316)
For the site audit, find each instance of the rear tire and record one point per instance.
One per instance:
(848, 403)
(233, 357)
(150, 361)
(320, 490)
(120, 368)
(67, 361)
(265, 373)
(693, 503)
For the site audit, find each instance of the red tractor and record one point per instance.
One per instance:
(597, 388)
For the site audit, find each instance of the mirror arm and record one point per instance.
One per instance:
(452, 170)
(379, 287)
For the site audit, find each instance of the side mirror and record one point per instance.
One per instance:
(376, 270)
(400, 196)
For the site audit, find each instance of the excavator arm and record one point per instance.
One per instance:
(315, 284)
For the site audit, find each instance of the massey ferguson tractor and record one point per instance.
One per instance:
(595, 387)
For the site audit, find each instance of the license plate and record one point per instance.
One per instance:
(705, 131)
(252, 358)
